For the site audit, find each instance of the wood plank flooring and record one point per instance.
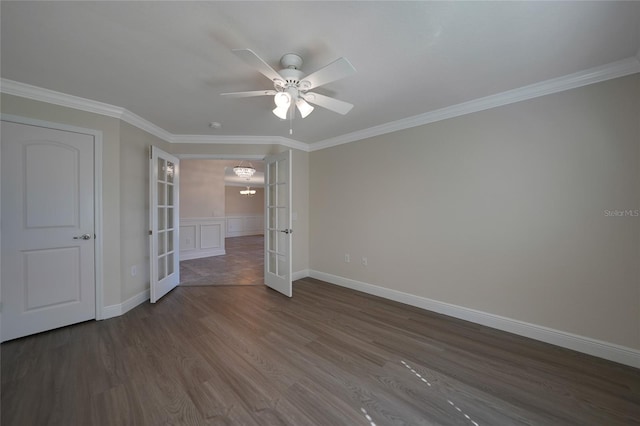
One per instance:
(243, 264)
(328, 356)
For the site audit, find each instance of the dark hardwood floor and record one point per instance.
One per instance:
(243, 264)
(328, 356)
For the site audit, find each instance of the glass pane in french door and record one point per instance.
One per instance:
(272, 173)
(170, 171)
(169, 201)
(273, 263)
(161, 267)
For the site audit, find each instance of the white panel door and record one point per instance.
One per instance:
(48, 246)
(164, 220)
(277, 239)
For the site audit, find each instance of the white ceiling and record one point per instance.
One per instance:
(168, 62)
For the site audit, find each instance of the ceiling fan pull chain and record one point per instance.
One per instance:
(293, 111)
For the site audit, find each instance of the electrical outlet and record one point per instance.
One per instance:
(365, 261)
(134, 270)
(347, 258)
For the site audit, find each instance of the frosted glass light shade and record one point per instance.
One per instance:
(281, 112)
(304, 108)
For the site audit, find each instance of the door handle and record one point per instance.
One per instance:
(83, 237)
(287, 231)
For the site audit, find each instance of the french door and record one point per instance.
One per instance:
(164, 178)
(277, 241)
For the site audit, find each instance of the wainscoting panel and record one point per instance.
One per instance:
(187, 237)
(239, 226)
(210, 236)
(234, 226)
(202, 237)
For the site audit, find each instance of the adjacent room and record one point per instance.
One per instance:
(320, 213)
(221, 223)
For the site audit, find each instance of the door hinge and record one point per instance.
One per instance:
(150, 232)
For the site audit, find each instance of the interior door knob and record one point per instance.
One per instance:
(83, 237)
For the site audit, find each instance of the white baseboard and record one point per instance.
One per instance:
(298, 275)
(232, 234)
(124, 307)
(198, 254)
(601, 349)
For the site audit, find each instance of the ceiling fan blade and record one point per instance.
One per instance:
(249, 94)
(340, 68)
(252, 59)
(335, 105)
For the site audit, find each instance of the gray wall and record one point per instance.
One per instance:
(502, 211)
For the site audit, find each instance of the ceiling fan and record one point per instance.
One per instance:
(291, 87)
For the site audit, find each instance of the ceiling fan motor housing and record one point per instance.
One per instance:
(291, 60)
(291, 77)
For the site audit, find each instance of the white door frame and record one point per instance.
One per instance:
(245, 157)
(97, 164)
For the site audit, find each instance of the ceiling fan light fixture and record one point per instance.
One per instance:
(282, 99)
(283, 102)
(291, 85)
(281, 112)
(304, 108)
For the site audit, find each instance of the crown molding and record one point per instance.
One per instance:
(598, 74)
(36, 93)
(28, 91)
(248, 157)
(147, 126)
(241, 140)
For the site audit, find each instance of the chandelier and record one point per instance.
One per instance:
(248, 192)
(244, 171)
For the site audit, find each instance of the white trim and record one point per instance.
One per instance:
(587, 345)
(28, 91)
(98, 219)
(124, 307)
(252, 157)
(98, 226)
(199, 254)
(241, 140)
(582, 78)
(147, 126)
(598, 74)
(298, 275)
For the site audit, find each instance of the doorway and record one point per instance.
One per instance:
(221, 229)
